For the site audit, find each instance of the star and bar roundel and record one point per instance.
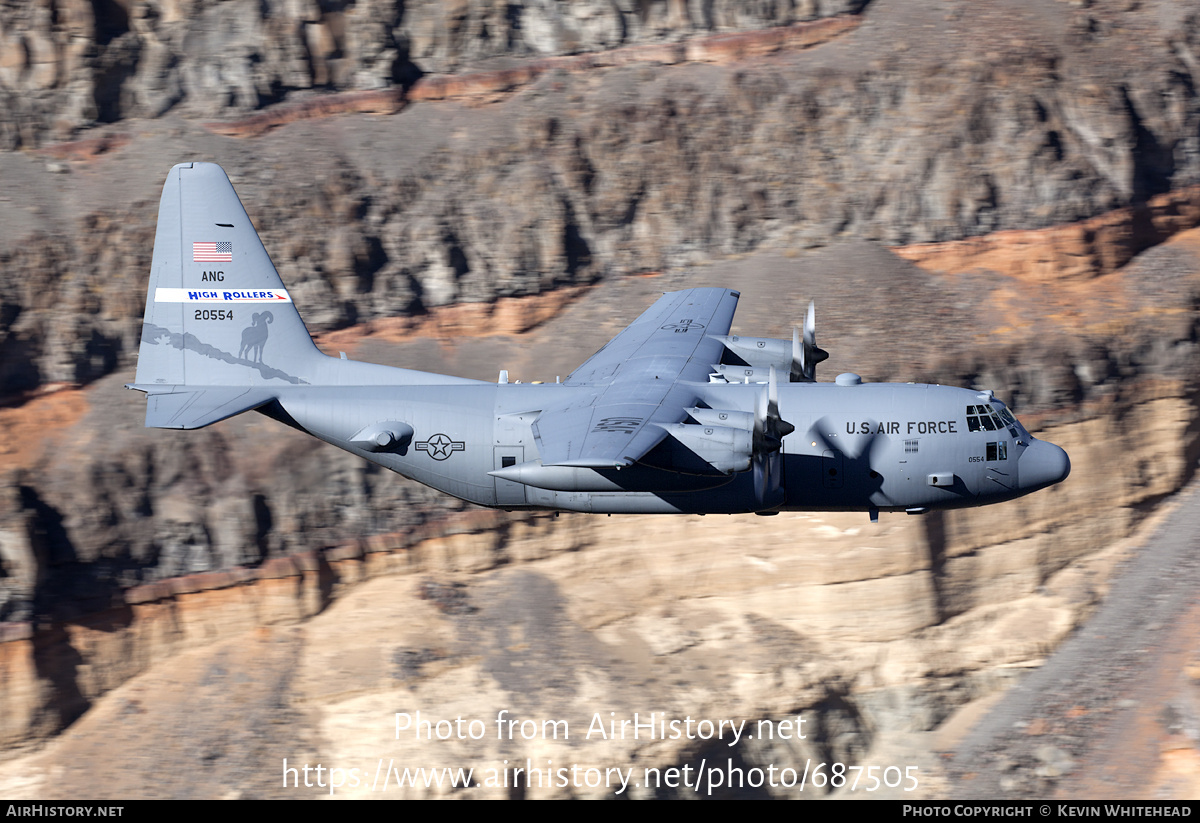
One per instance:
(440, 446)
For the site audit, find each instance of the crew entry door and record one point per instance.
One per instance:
(509, 492)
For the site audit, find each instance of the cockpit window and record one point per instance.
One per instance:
(983, 418)
(991, 418)
(1009, 420)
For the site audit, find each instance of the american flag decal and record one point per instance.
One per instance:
(212, 252)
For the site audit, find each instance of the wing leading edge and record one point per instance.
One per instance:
(642, 382)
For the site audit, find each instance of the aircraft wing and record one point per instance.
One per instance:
(641, 380)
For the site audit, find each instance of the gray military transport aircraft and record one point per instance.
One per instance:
(674, 415)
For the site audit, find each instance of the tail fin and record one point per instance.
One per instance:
(220, 330)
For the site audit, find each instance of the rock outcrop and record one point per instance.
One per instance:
(587, 175)
(70, 64)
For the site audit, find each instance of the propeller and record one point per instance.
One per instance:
(769, 431)
(769, 427)
(806, 354)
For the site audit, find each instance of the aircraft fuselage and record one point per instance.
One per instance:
(856, 447)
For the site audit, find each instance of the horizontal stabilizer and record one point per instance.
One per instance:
(180, 407)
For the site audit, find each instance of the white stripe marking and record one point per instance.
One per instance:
(221, 296)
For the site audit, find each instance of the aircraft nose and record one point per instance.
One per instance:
(1043, 464)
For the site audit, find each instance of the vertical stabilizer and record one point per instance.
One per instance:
(217, 313)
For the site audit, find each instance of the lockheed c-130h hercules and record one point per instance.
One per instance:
(674, 415)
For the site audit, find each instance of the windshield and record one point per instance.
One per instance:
(991, 417)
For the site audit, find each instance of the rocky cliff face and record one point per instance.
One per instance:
(66, 66)
(1038, 194)
(587, 175)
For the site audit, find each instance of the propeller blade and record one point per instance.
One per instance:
(769, 431)
(765, 438)
(810, 353)
(797, 374)
(768, 487)
(769, 427)
(781, 428)
(761, 410)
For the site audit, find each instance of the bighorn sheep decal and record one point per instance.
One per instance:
(255, 337)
